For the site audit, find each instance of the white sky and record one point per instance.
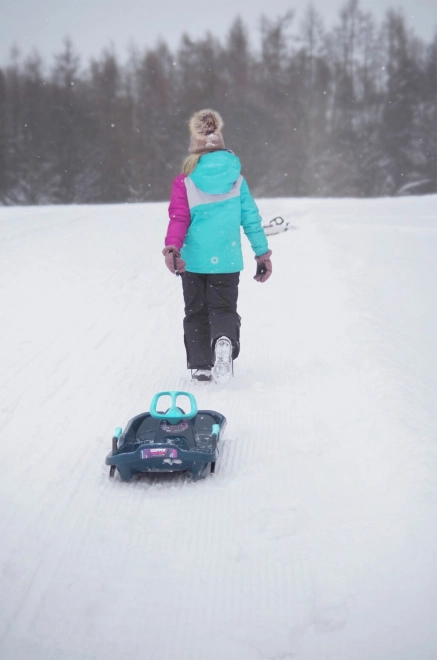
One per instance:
(94, 24)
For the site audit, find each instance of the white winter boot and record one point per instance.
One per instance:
(222, 369)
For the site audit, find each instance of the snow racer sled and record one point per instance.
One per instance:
(171, 441)
(276, 226)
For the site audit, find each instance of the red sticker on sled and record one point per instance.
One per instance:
(159, 452)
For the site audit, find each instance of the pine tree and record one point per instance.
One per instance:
(4, 147)
(68, 125)
(397, 128)
(109, 112)
(151, 151)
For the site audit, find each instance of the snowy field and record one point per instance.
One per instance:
(317, 537)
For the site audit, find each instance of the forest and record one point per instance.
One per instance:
(350, 111)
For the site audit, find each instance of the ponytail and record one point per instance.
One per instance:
(190, 163)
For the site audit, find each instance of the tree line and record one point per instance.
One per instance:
(349, 111)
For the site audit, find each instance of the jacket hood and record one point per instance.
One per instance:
(216, 172)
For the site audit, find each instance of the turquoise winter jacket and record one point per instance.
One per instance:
(220, 203)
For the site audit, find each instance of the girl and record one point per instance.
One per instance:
(209, 203)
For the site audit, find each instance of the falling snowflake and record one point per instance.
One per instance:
(214, 260)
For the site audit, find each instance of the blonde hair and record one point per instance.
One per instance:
(190, 163)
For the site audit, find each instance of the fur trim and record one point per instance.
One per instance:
(205, 122)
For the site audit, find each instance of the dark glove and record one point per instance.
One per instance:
(264, 267)
(173, 260)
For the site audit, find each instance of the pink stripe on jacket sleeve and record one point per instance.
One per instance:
(179, 213)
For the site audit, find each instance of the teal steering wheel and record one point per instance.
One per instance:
(174, 415)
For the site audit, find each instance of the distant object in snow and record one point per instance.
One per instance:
(277, 225)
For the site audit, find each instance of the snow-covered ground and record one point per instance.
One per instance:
(317, 537)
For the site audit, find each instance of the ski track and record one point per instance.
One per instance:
(316, 538)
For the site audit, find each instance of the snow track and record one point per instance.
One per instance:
(316, 538)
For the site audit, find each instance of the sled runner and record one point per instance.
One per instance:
(171, 441)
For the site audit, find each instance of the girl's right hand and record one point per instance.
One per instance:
(173, 260)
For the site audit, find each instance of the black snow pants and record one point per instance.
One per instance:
(210, 313)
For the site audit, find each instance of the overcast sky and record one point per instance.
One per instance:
(94, 24)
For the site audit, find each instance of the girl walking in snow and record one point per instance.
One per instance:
(210, 201)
